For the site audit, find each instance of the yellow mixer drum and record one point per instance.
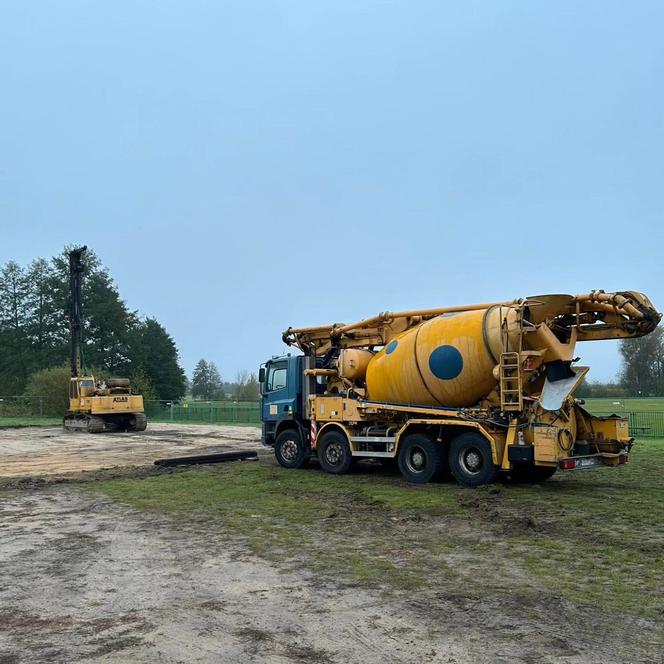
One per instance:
(446, 361)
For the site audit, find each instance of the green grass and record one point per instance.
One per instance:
(201, 420)
(18, 422)
(591, 537)
(206, 412)
(29, 421)
(619, 405)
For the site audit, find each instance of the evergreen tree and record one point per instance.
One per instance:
(107, 323)
(14, 358)
(153, 351)
(200, 380)
(34, 329)
(206, 381)
(44, 319)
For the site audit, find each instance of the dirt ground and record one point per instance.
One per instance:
(84, 578)
(88, 581)
(39, 451)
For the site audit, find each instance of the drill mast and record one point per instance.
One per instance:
(76, 269)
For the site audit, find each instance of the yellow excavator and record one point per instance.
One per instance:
(95, 407)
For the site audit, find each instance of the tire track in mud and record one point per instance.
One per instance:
(87, 580)
(50, 451)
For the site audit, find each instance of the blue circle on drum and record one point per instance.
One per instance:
(391, 347)
(446, 362)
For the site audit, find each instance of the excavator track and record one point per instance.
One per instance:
(140, 422)
(83, 422)
(96, 424)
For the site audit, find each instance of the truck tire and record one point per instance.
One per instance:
(290, 450)
(420, 458)
(334, 453)
(471, 461)
(531, 474)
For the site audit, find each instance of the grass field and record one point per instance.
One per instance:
(620, 405)
(590, 538)
(29, 421)
(245, 412)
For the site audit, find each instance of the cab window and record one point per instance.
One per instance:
(276, 377)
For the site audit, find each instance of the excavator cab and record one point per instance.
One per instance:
(81, 387)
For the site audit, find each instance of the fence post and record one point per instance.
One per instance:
(172, 411)
(41, 406)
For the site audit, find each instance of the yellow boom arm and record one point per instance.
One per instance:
(591, 316)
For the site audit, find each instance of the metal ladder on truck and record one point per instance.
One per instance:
(510, 378)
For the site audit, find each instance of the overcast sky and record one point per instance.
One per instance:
(245, 166)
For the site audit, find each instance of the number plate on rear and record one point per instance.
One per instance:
(589, 463)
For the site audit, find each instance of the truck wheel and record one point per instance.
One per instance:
(420, 458)
(471, 461)
(334, 453)
(531, 474)
(290, 450)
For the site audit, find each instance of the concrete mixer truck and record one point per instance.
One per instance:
(476, 392)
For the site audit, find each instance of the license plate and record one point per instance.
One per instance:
(588, 463)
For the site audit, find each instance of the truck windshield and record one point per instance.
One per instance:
(276, 377)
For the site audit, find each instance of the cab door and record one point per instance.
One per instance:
(277, 400)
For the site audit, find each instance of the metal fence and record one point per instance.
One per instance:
(642, 423)
(200, 412)
(26, 409)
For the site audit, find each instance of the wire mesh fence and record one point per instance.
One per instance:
(200, 412)
(37, 408)
(643, 424)
(47, 409)
(29, 407)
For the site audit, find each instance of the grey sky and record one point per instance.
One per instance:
(245, 166)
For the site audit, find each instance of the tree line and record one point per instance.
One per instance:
(34, 330)
(34, 338)
(207, 383)
(642, 372)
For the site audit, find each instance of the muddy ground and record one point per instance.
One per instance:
(84, 578)
(40, 451)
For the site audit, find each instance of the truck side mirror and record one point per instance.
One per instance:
(261, 375)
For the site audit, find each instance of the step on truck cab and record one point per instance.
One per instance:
(475, 392)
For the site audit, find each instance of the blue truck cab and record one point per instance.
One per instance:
(284, 394)
(281, 396)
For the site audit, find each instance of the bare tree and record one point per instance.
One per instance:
(246, 386)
